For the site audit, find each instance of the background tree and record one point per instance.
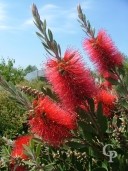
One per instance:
(11, 73)
(30, 68)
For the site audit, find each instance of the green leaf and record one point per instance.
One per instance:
(45, 45)
(99, 169)
(94, 152)
(49, 167)
(105, 164)
(113, 81)
(49, 52)
(40, 35)
(121, 91)
(55, 47)
(44, 26)
(28, 150)
(82, 114)
(76, 145)
(38, 149)
(38, 160)
(59, 49)
(121, 71)
(102, 120)
(124, 103)
(126, 79)
(32, 145)
(28, 162)
(92, 105)
(86, 130)
(50, 35)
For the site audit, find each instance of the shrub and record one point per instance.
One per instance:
(9, 72)
(12, 116)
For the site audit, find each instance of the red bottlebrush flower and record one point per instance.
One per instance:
(35, 102)
(55, 113)
(105, 97)
(103, 52)
(17, 168)
(70, 80)
(51, 122)
(49, 131)
(106, 85)
(108, 101)
(18, 149)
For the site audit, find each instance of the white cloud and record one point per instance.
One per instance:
(6, 20)
(46, 12)
(58, 18)
(4, 27)
(48, 7)
(28, 22)
(3, 16)
(2, 11)
(87, 4)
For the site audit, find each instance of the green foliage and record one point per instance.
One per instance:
(12, 116)
(30, 68)
(9, 72)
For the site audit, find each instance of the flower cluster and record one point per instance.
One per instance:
(18, 147)
(103, 52)
(18, 152)
(51, 122)
(69, 78)
(108, 101)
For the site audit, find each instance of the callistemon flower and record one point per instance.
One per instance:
(18, 148)
(108, 101)
(54, 112)
(49, 131)
(70, 80)
(103, 52)
(51, 121)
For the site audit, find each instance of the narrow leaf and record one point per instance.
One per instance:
(50, 35)
(102, 121)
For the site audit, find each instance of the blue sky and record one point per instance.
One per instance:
(17, 30)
